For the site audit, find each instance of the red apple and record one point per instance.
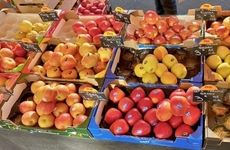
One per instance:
(162, 26)
(80, 30)
(164, 112)
(175, 40)
(19, 51)
(112, 115)
(137, 94)
(125, 104)
(141, 128)
(183, 131)
(116, 95)
(171, 20)
(159, 40)
(100, 19)
(139, 33)
(133, 116)
(117, 26)
(192, 115)
(184, 34)
(178, 92)
(169, 33)
(150, 117)
(157, 95)
(163, 130)
(103, 25)
(194, 26)
(143, 40)
(101, 5)
(63, 121)
(79, 120)
(86, 12)
(119, 127)
(177, 27)
(97, 39)
(179, 105)
(175, 121)
(144, 104)
(151, 17)
(81, 9)
(90, 24)
(98, 11)
(84, 3)
(150, 31)
(94, 31)
(77, 24)
(88, 6)
(93, 8)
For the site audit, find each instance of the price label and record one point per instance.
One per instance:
(204, 96)
(208, 15)
(204, 50)
(111, 41)
(93, 96)
(122, 17)
(49, 16)
(31, 47)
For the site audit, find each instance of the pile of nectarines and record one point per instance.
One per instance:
(70, 61)
(158, 30)
(145, 114)
(151, 69)
(55, 104)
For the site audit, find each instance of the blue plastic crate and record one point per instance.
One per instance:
(194, 141)
(110, 74)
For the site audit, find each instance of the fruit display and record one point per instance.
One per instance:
(23, 27)
(71, 61)
(89, 7)
(52, 105)
(87, 29)
(161, 65)
(217, 66)
(218, 115)
(149, 112)
(153, 29)
(13, 57)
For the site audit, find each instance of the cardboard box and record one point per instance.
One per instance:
(194, 141)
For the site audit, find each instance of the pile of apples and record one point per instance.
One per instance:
(151, 69)
(12, 55)
(91, 8)
(163, 30)
(29, 32)
(222, 30)
(70, 61)
(219, 64)
(93, 30)
(55, 104)
(141, 114)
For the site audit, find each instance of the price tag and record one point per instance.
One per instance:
(31, 46)
(93, 96)
(208, 15)
(204, 50)
(204, 96)
(111, 41)
(49, 16)
(121, 16)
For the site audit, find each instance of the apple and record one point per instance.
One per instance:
(30, 118)
(36, 85)
(72, 87)
(150, 117)
(139, 33)
(77, 109)
(46, 56)
(81, 9)
(68, 62)
(46, 121)
(171, 20)
(169, 33)
(194, 26)
(103, 25)
(100, 19)
(159, 40)
(116, 94)
(191, 115)
(6, 52)
(93, 8)
(84, 3)
(62, 92)
(60, 108)
(112, 115)
(53, 72)
(157, 95)
(162, 26)
(55, 59)
(80, 30)
(222, 32)
(119, 127)
(144, 40)
(97, 39)
(125, 104)
(101, 5)
(137, 94)
(132, 116)
(83, 38)
(163, 111)
(150, 31)
(45, 108)
(8, 63)
(19, 60)
(77, 24)
(38, 69)
(179, 105)
(79, 120)
(50, 94)
(26, 106)
(175, 40)
(110, 29)
(175, 121)
(88, 6)
(63, 121)
(177, 27)
(183, 131)
(70, 48)
(151, 17)
(141, 128)
(98, 11)
(117, 26)
(163, 130)
(19, 51)
(178, 92)
(189, 95)
(184, 34)
(69, 74)
(72, 99)
(226, 22)
(93, 31)
(144, 104)
(90, 24)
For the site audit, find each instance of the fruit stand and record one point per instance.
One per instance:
(79, 69)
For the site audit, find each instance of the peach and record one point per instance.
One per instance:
(53, 72)
(79, 120)
(27, 106)
(60, 48)
(60, 108)
(69, 74)
(38, 69)
(87, 48)
(55, 59)
(77, 109)
(70, 48)
(30, 118)
(72, 99)
(46, 56)
(72, 87)
(46, 121)
(105, 54)
(160, 52)
(62, 92)
(38, 95)
(63, 121)
(90, 60)
(45, 108)
(83, 38)
(8, 63)
(100, 67)
(50, 94)
(36, 85)
(6, 52)
(68, 62)
(168, 78)
(163, 111)
(86, 73)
